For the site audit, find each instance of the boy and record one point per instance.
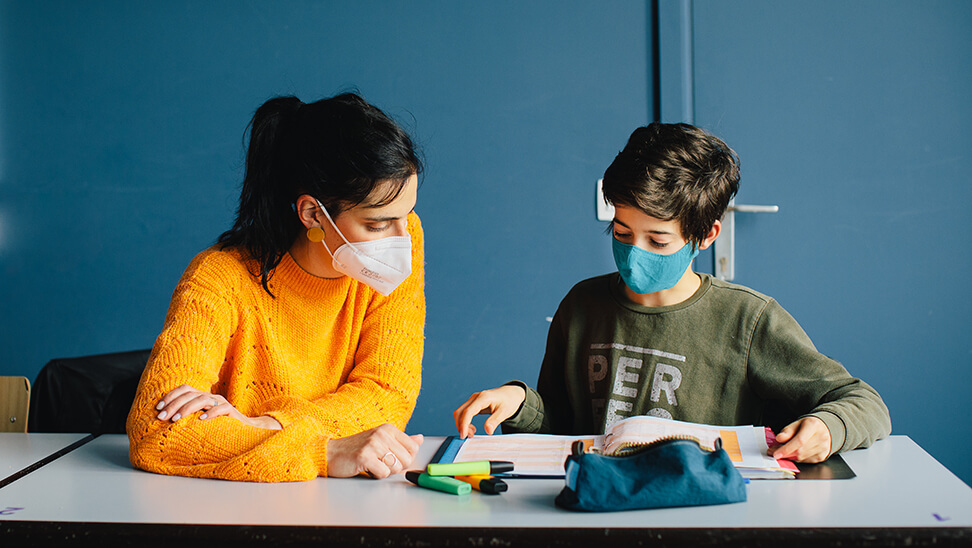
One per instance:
(656, 338)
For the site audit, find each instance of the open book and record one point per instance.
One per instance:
(543, 455)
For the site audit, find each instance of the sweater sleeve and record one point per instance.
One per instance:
(191, 350)
(784, 365)
(384, 384)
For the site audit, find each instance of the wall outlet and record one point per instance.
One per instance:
(605, 211)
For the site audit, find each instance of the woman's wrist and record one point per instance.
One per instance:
(264, 421)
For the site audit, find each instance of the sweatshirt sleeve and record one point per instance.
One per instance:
(784, 365)
(384, 384)
(191, 350)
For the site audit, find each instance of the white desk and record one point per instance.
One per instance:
(18, 451)
(901, 496)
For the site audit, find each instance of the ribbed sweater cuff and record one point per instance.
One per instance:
(528, 417)
(838, 432)
(319, 456)
(314, 442)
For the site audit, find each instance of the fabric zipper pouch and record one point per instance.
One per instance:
(667, 473)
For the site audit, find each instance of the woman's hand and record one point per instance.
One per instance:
(499, 403)
(805, 440)
(186, 400)
(379, 453)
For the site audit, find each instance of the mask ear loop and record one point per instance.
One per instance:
(336, 229)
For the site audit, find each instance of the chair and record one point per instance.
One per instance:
(88, 394)
(14, 403)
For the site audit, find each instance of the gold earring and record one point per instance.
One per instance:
(315, 234)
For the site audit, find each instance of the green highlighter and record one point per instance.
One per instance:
(444, 484)
(475, 468)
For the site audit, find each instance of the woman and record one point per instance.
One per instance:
(292, 348)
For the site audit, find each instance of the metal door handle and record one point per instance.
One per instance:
(753, 208)
(725, 245)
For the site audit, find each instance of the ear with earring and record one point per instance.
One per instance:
(315, 234)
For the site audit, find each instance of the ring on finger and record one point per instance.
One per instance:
(215, 402)
(384, 459)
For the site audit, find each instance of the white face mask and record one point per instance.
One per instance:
(381, 264)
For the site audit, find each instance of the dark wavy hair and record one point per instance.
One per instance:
(675, 172)
(338, 150)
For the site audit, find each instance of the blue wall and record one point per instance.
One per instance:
(121, 128)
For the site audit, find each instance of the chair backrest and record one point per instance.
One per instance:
(14, 403)
(88, 394)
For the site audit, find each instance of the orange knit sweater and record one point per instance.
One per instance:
(327, 358)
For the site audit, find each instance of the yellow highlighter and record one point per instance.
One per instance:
(474, 468)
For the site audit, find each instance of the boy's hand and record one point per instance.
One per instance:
(806, 440)
(500, 403)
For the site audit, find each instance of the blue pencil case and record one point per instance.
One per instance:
(667, 473)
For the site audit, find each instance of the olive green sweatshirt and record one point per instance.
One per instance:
(726, 356)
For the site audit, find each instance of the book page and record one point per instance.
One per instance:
(531, 454)
(641, 430)
(745, 445)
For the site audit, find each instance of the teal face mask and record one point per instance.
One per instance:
(646, 272)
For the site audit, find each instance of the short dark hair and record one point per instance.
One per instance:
(338, 150)
(675, 172)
